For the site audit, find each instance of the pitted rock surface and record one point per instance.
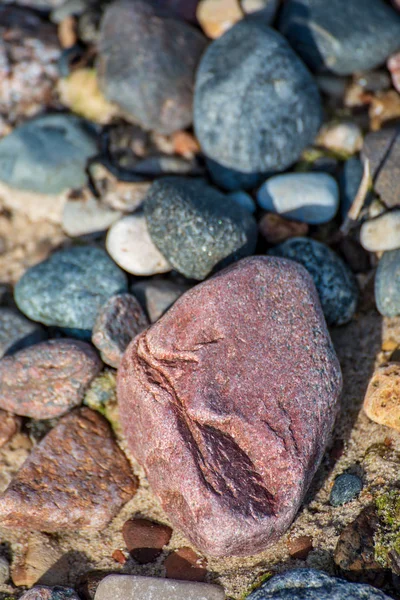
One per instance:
(47, 379)
(228, 402)
(76, 478)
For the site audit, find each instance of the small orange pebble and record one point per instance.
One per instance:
(185, 143)
(300, 547)
(67, 32)
(389, 345)
(119, 556)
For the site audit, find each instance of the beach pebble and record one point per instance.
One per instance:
(335, 283)
(87, 215)
(68, 289)
(300, 547)
(244, 200)
(119, 320)
(157, 295)
(48, 154)
(232, 180)
(9, 426)
(217, 16)
(345, 489)
(341, 37)
(197, 355)
(344, 138)
(135, 587)
(43, 592)
(129, 244)
(311, 198)
(310, 584)
(382, 149)
(145, 539)
(260, 9)
(16, 332)
(276, 229)
(4, 570)
(147, 63)
(42, 560)
(185, 564)
(196, 227)
(382, 398)
(47, 379)
(387, 284)
(75, 478)
(393, 65)
(382, 233)
(281, 113)
(349, 182)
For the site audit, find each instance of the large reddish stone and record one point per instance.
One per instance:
(228, 402)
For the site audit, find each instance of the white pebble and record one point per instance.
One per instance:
(382, 233)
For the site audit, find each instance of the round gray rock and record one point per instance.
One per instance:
(256, 106)
(68, 289)
(387, 284)
(341, 36)
(309, 584)
(48, 154)
(196, 227)
(16, 332)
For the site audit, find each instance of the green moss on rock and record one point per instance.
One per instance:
(387, 535)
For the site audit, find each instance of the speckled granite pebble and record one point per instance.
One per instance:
(68, 289)
(47, 379)
(256, 106)
(309, 584)
(16, 332)
(345, 488)
(341, 36)
(387, 284)
(235, 454)
(196, 227)
(335, 283)
(119, 320)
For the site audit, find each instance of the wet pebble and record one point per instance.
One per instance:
(311, 198)
(232, 180)
(16, 332)
(345, 489)
(129, 244)
(68, 289)
(382, 233)
(244, 200)
(387, 284)
(335, 283)
(145, 539)
(157, 295)
(119, 320)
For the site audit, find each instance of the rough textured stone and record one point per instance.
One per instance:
(387, 284)
(42, 592)
(260, 9)
(48, 379)
(196, 227)
(48, 154)
(9, 425)
(145, 539)
(4, 570)
(382, 149)
(345, 489)
(276, 229)
(68, 289)
(308, 197)
(234, 452)
(147, 64)
(76, 478)
(335, 283)
(309, 584)
(382, 398)
(16, 332)
(157, 295)
(119, 320)
(300, 547)
(256, 106)
(185, 564)
(382, 233)
(134, 587)
(342, 37)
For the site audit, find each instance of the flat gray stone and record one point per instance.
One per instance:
(135, 587)
(17, 332)
(157, 295)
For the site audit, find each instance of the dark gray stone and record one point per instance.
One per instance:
(16, 332)
(231, 180)
(349, 182)
(157, 295)
(256, 105)
(341, 36)
(335, 283)
(68, 289)
(147, 62)
(196, 227)
(310, 584)
(387, 284)
(48, 154)
(382, 149)
(346, 488)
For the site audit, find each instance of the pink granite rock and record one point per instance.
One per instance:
(228, 402)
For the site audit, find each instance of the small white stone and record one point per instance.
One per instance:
(382, 233)
(129, 244)
(343, 137)
(136, 587)
(307, 197)
(87, 215)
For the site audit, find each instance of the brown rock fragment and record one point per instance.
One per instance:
(41, 555)
(9, 425)
(382, 398)
(48, 379)
(185, 564)
(145, 539)
(276, 229)
(300, 547)
(76, 478)
(118, 322)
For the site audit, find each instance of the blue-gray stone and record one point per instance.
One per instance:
(244, 200)
(341, 36)
(307, 197)
(387, 284)
(349, 182)
(310, 584)
(335, 283)
(346, 488)
(196, 227)
(256, 106)
(68, 289)
(231, 180)
(16, 332)
(48, 154)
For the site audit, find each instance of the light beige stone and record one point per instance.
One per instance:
(87, 215)
(381, 233)
(134, 587)
(217, 16)
(382, 399)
